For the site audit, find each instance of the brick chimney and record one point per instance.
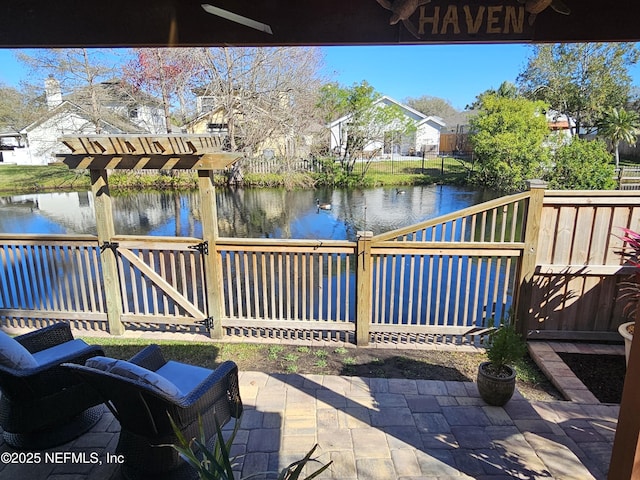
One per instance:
(53, 92)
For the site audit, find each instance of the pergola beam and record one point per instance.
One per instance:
(143, 144)
(154, 152)
(207, 161)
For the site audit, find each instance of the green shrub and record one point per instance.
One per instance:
(581, 165)
(506, 346)
(333, 173)
(508, 142)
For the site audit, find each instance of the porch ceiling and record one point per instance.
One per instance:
(328, 22)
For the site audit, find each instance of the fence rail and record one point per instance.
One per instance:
(575, 289)
(628, 178)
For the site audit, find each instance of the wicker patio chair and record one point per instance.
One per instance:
(41, 404)
(143, 392)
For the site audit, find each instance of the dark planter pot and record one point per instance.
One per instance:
(495, 390)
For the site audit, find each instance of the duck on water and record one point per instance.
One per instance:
(322, 206)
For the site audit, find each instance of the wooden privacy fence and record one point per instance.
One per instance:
(575, 289)
(455, 143)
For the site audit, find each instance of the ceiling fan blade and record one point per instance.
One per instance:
(234, 17)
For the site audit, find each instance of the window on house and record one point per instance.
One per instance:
(217, 127)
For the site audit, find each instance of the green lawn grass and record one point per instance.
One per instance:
(41, 178)
(16, 179)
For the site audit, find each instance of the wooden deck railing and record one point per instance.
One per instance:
(443, 280)
(292, 284)
(51, 277)
(454, 275)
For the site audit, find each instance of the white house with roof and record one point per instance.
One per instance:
(121, 112)
(426, 137)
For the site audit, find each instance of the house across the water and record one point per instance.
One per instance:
(425, 138)
(120, 110)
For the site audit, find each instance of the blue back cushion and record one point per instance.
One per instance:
(14, 355)
(135, 372)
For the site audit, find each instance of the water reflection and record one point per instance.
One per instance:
(243, 213)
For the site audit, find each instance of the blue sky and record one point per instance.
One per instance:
(454, 72)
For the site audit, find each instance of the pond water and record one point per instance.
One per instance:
(243, 213)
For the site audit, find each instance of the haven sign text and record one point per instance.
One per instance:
(434, 21)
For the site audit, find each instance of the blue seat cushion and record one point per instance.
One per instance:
(185, 377)
(14, 355)
(63, 350)
(135, 372)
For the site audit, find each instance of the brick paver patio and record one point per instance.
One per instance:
(383, 429)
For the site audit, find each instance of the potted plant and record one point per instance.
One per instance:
(630, 289)
(497, 377)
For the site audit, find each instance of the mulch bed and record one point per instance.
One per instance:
(603, 375)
